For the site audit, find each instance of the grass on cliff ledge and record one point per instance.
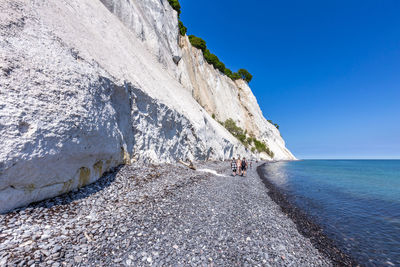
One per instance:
(248, 141)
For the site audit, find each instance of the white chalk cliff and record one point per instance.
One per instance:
(87, 85)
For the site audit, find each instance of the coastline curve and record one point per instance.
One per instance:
(306, 226)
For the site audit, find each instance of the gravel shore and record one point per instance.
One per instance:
(158, 215)
(306, 226)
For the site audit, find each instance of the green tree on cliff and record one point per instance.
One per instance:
(198, 42)
(236, 76)
(182, 28)
(208, 56)
(245, 75)
(175, 5)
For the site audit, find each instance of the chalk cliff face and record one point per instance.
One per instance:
(86, 85)
(224, 98)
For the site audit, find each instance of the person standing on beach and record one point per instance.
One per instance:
(244, 166)
(234, 167)
(238, 162)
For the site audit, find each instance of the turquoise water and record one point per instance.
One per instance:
(356, 202)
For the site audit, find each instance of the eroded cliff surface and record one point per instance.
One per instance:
(88, 85)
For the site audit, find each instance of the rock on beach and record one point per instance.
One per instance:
(153, 215)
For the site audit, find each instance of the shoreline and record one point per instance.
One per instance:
(158, 214)
(306, 226)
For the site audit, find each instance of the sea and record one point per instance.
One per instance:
(356, 202)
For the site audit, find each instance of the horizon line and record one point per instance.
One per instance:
(348, 158)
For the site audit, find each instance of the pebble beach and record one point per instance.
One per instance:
(159, 215)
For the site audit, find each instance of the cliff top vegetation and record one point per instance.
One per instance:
(208, 56)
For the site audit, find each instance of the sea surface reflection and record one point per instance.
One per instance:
(356, 202)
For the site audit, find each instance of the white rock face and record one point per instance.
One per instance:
(87, 85)
(226, 99)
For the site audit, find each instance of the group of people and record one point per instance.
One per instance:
(239, 167)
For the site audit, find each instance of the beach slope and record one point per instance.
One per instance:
(159, 214)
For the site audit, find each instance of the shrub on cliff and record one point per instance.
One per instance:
(275, 124)
(214, 60)
(260, 146)
(245, 75)
(236, 76)
(242, 138)
(198, 42)
(270, 153)
(231, 126)
(220, 66)
(228, 72)
(175, 5)
(210, 58)
(247, 141)
(182, 28)
(250, 140)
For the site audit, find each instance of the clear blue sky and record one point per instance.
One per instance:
(328, 72)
